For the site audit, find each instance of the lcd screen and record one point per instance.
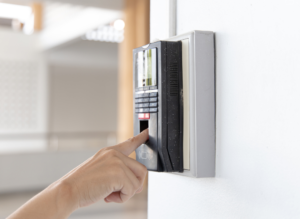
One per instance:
(146, 68)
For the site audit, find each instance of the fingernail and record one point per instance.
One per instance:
(106, 200)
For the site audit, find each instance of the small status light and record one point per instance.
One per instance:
(119, 24)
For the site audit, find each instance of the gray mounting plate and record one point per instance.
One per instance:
(200, 129)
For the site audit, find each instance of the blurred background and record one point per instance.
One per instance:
(65, 92)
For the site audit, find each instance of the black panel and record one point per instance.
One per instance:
(174, 83)
(163, 142)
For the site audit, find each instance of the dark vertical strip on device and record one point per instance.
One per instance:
(180, 75)
(174, 87)
(164, 109)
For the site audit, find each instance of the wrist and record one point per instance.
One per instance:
(65, 196)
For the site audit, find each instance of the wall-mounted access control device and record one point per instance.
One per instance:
(158, 105)
(174, 93)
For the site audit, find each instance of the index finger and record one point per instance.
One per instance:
(127, 147)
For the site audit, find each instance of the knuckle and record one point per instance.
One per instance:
(118, 163)
(102, 153)
(118, 166)
(111, 152)
(99, 152)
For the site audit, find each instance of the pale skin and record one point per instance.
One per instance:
(110, 175)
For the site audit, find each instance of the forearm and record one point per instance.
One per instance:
(55, 202)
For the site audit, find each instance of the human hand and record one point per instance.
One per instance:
(110, 174)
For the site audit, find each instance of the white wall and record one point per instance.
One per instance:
(258, 113)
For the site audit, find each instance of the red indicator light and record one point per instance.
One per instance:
(144, 115)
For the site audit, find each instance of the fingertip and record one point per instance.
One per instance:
(127, 147)
(146, 132)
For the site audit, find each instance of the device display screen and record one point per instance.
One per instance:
(146, 68)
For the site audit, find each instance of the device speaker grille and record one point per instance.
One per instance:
(173, 80)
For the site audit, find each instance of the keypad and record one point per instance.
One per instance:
(153, 110)
(142, 110)
(142, 105)
(153, 104)
(146, 102)
(146, 88)
(153, 94)
(142, 100)
(142, 95)
(153, 99)
(153, 88)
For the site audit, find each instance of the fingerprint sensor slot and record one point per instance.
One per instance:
(144, 124)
